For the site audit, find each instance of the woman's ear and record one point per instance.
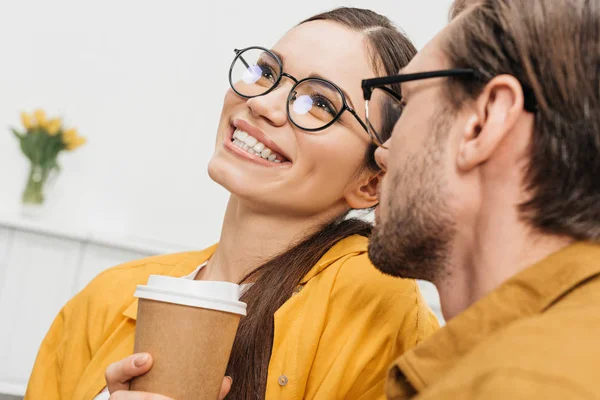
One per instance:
(363, 194)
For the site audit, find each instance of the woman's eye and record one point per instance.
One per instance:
(268, 73)
(324, 104)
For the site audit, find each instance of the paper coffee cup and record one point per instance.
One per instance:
(188, 327)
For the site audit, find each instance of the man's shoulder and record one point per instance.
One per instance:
(552, 355)
(560, 342)
(570, 324)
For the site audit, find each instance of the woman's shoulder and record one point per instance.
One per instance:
(357, 274)
(179, 264)
(348, 261)
(114, 287)
(395, 302)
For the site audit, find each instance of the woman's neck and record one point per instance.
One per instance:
(249, 238)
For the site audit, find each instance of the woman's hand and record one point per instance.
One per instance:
(119, 375)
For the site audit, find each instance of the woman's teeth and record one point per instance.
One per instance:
(249, 143)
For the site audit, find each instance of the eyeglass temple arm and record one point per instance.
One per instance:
(368, 91)
(360, 121)
(369, 84)
(237, 52)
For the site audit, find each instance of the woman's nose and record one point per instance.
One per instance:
(271, 106)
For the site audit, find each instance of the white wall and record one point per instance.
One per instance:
(61, 264)
(144, 81)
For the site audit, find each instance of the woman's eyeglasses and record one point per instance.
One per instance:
(388, 91)
(313, 104)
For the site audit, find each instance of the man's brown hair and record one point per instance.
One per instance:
(552, 48)
(458, 6)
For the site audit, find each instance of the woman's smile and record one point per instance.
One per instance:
(249, 143)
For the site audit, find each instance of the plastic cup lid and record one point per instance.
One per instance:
(220, 296)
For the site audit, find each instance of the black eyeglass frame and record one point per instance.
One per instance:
(368, 85)
(346, 107)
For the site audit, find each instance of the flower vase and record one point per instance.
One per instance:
(36, 189)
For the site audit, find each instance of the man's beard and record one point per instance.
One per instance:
(414, 240)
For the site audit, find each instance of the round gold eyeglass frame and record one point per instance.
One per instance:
(239, 56)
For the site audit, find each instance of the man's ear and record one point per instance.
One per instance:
(364, 193)
(496, 112)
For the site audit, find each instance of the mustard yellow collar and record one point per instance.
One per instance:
(181, 269)
(530, 292)
(349, 246)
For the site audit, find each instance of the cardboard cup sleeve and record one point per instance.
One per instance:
(188, 327)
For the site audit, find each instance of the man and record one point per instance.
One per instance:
(492, 192)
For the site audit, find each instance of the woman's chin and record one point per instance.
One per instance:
(233, 180)
(222, 175)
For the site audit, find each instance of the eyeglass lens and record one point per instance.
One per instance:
(386, 109)
(312, 104)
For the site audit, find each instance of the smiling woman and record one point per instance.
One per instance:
(294, 152)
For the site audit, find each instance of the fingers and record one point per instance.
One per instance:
(120, 373)
(126, 395)
(225, 387)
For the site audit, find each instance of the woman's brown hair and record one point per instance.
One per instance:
(275, 280)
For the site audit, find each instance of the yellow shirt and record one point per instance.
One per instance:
(535, 337)
(334, 339)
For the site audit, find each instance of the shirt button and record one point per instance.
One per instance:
(298, 289)
(283, 380)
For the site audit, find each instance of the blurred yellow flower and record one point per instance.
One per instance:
(76, 143)
(42, 142)
(26, 120)
(40, 118)
(69, 135)
(53, 126)
(72, 140)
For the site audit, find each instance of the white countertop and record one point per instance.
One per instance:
(46, 226)
(12, 389)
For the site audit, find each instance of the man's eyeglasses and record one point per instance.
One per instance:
(313, 104)
(389, 89)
